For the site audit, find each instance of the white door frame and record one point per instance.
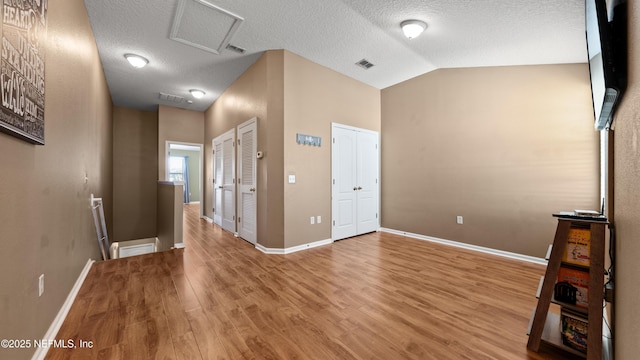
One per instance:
(200, 164)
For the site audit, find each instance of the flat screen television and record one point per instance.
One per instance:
(606, 46)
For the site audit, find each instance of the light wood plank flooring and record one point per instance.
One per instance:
(377, 296)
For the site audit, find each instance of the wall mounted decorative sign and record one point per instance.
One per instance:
(24, 36)
(303, 139)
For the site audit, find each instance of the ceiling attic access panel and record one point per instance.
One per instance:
(204, 26)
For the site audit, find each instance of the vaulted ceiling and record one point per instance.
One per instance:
(332, 33)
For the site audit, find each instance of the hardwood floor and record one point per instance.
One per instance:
(377, 296)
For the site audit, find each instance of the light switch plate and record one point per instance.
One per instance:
(292, 179)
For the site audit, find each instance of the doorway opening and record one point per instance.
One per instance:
(184, 162)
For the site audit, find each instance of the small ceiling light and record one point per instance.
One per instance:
(136, 61)
(413, 28)
(198, 94)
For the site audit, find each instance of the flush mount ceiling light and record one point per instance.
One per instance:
(136, 61)
(412, 28)
(198, 94)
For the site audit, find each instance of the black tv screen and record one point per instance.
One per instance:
(606, 48)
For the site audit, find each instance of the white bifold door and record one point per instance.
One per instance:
(355, 164)
(247, 149)
(224, 164)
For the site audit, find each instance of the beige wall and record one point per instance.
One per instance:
(170, 215)
(256, 93)
(271, 204)
(627, 201)
(46, 226)
(504, 147)
(135, 170)
(314, 97)
(179, 125)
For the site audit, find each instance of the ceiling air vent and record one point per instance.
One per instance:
(171, 98)
(365, 64)
(234, 48)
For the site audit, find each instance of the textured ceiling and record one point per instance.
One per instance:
(333, 33)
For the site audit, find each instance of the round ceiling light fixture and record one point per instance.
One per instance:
(413, 28)
(198, 94)
(136, 61)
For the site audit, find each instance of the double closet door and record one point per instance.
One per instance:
(234, 201)
(355, 165)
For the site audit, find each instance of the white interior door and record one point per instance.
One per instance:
(224, 180)
(247, 182)
(217, 180)
(344, 187)
(367, 180)
(355, 165)
(229, 183)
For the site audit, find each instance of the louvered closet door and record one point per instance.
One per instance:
(247, 184)
(217, 181)
(224, 185)
(228, 183)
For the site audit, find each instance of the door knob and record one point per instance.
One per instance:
(252, 189)
(355, 188)
(220, 187)
(359, 187)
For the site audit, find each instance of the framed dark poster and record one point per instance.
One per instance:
(24, 36)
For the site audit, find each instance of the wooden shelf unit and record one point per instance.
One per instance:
(545, 326)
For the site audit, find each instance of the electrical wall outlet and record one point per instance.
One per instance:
(319, 219)
(312, 220)
(459, 219)
(40, 285)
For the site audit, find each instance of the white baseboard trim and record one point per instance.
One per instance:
(41, 352)
(208, 219)
(278, 251)
(194, 202)
(486, 250)
(179, 246)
